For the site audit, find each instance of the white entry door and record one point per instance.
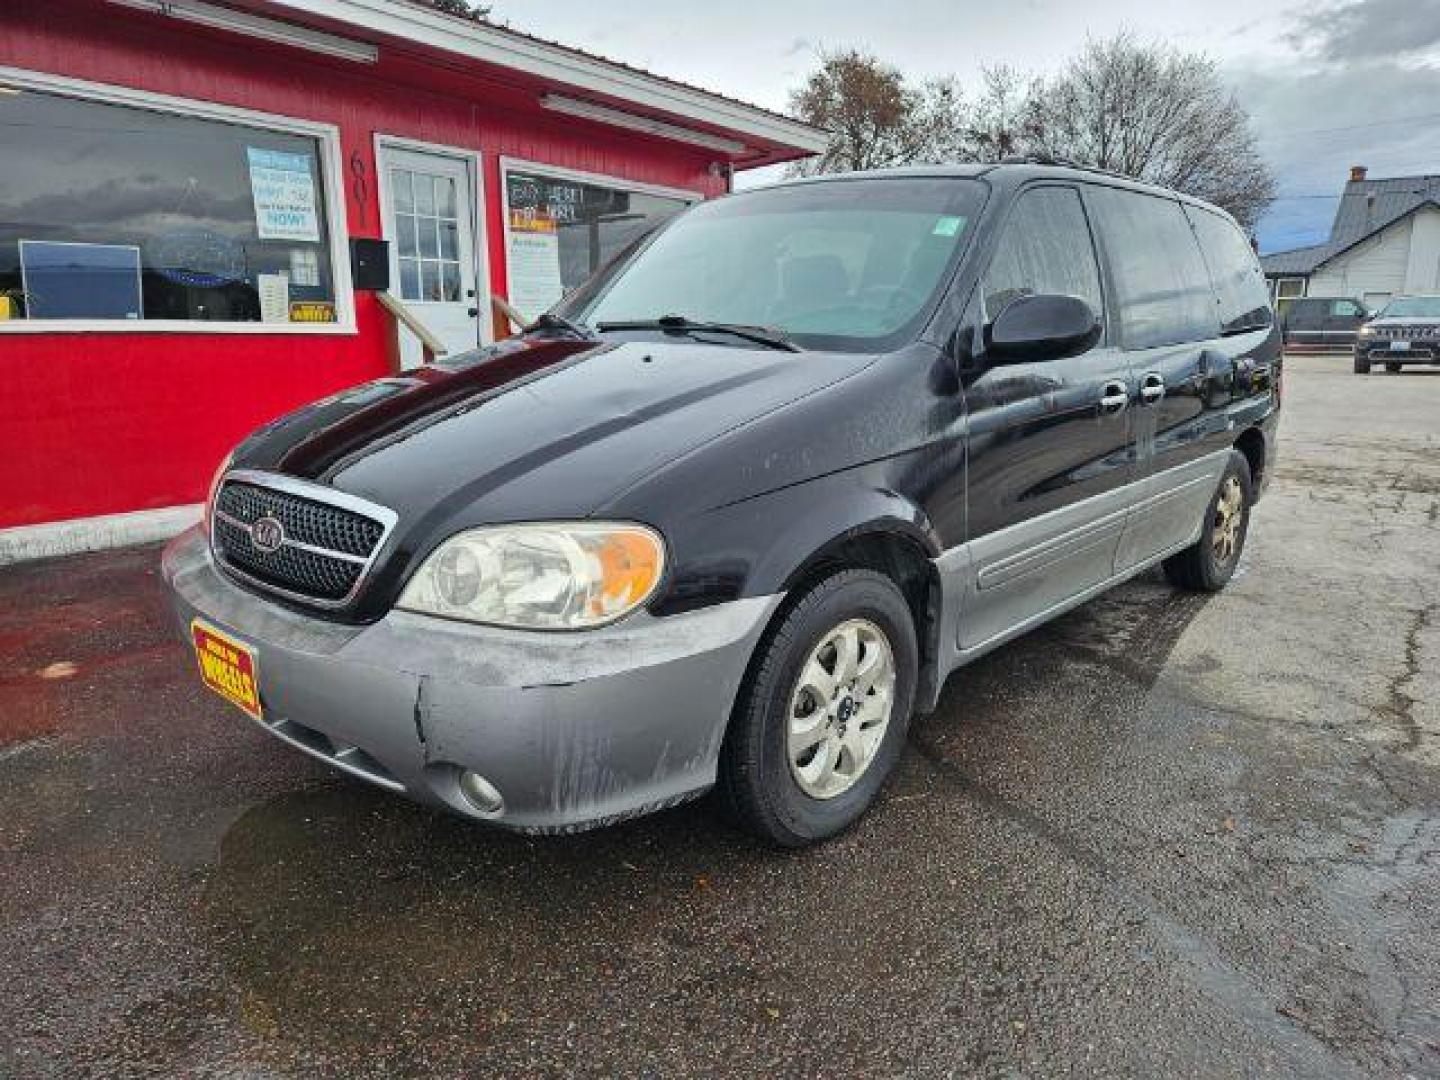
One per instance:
(429, 205)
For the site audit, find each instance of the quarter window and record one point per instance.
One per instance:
(1045, 249)
(112, 212)
(1161, 283)
(1240, 290)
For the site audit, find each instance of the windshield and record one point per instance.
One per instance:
(846, 264)
(1410, 307)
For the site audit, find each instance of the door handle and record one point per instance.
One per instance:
(1152, 388)
(1114, 396)
(473, 312)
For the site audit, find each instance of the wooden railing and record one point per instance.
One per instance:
(507, 321)
(510, 319)
(430, 345)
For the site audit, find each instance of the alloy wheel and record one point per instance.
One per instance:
(840, 708)
(1229, 517)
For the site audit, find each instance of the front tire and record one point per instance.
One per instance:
(1393, 368)
(821, 719)
(1208, 564)
(1362, 365)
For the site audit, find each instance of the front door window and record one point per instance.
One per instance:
(427, 235)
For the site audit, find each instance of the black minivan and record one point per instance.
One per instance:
(729, 515)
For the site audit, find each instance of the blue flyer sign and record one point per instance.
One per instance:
(283, 187)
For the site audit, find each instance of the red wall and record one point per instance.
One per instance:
(103, 423)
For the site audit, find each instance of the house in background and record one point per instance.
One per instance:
(1384, 242)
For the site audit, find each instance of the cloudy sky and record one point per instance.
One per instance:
(1329, 85)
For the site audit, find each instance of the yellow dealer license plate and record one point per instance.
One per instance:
(227, 667)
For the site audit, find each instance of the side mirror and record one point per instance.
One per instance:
(1042, 327)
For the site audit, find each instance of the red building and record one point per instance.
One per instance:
(181, 184)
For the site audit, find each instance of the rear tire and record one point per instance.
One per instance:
(1362, 365)
(800, 687)
(1208, 564)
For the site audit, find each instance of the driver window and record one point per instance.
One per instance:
(1045, 248)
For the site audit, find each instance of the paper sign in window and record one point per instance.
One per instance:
(534, 263)
(282, 186)
(274, 290)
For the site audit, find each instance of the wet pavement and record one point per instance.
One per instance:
(1163, 834)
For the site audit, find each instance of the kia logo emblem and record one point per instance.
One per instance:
(267, 535)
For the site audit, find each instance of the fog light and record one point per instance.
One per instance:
(480, 794)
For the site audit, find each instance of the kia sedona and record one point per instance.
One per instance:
(728, 515)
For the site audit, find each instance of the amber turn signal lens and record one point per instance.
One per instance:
(630, 562)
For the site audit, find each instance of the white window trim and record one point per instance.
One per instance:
(557, 172)
(476, 163)
(332, 169)
(1279, 281)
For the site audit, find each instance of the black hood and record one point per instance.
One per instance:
(531, 430)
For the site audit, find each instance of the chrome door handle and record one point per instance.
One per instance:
(1114, 396)
(1152, 388)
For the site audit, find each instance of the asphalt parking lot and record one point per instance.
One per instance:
(1166, 834)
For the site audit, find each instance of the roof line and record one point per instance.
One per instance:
(503, 47)
(1335, 248)
(1379, 228)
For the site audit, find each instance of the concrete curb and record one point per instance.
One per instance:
(28, 542)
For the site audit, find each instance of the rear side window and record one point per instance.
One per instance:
(1239, 282)
(1161, 284)
(1045, 248)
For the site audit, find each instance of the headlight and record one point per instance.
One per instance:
(1367, 331)
(560, 576)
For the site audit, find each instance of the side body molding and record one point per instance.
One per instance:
(998, 586)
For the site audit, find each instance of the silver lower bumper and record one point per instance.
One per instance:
(574, 730)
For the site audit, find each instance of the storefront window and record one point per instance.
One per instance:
(112, 212)
(562, 230)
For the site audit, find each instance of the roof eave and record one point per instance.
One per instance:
(495, 46)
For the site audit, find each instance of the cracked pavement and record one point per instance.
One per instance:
(1164, 834)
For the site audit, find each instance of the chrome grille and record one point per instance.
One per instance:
(309, 522)
(1407, 333)
(329, 541)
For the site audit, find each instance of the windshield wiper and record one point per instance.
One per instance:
(550, 321)
(771, 339)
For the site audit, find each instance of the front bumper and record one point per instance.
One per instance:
(1417, 351)
(575, 730)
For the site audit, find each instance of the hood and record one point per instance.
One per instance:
(531, 430)
(1381, 322)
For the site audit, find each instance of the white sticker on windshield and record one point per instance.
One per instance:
(948, 226)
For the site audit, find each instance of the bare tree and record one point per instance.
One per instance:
(1005, 120)
(1147, 111)
(876, 117)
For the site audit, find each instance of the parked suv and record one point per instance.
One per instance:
(730, 514)
(1322, 322)
(1404, 331)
